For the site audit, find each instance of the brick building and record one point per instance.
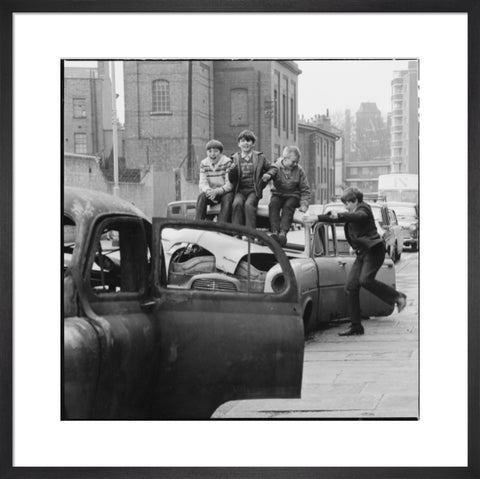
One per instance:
(318, 146)
(88, 138)
(258, 95)
(173, 107)
(87, 125)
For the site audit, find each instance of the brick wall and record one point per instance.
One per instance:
(85, 172)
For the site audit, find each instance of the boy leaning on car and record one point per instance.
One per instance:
(363, 237)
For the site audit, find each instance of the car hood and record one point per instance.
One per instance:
(228, 250)
(405, 223)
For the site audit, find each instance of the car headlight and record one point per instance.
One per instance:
(412, 227)
(278, 283)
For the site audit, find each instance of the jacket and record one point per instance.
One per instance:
(291, 183)
(360, 229)
(260, 166)
(215, 176)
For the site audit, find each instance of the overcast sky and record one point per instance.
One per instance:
(329, 84)
(342, 84)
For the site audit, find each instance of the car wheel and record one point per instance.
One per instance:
(391, 254)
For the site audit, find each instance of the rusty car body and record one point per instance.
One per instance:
(139, 344)
(320, 267)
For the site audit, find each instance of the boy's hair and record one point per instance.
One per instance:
(214, 144)
(352, 194)
(247, 135)
(292, 149)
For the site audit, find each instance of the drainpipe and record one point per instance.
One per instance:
(138, 100)
(259, 131)
(189, 120)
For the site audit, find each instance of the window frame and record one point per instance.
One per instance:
(76, 143)
(94, 238)
(157, 98)
(84, 111)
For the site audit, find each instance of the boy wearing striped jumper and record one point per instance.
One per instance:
(214, 185)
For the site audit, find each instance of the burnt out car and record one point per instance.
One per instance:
(145, 337)
(219, 261)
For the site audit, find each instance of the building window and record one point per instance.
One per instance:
(79, 108)
(275, 108)
(318, 174)
(284, 111)
(239, 107)
(80, 145)
(160, 96)
(353, 171)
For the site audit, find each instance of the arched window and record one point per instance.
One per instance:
(160, 96)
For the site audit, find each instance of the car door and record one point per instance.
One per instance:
(332, 273)
(110, 347)
(221, 337)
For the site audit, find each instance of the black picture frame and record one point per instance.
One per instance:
(7, 8)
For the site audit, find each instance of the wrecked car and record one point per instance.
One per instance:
(151, 332)
(320, 266)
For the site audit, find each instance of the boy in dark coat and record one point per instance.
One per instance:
(363, 237)
(249, 174)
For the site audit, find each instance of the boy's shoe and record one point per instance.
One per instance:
(282, 238)
(274, 236)
(401, 302)
(354, 330)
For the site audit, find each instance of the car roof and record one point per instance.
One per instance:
(182, 202)
(401, 203)
(78, 202)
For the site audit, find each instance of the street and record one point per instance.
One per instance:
(370, 376)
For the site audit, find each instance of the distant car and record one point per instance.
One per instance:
(182, 209)
(408, 219)
(387, 227)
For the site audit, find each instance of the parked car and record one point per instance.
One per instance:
(408, 219)
(182, 209)
(138, 344)
(387, 226)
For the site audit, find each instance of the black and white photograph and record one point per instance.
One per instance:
(239, 243)
(215, 242)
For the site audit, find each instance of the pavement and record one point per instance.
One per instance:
(369, 376)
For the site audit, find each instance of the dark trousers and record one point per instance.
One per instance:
(363, 274)
(244, 209)
(287, 205)
(225, 206)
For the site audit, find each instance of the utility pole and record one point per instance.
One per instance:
(189, 120)
(114, 132)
